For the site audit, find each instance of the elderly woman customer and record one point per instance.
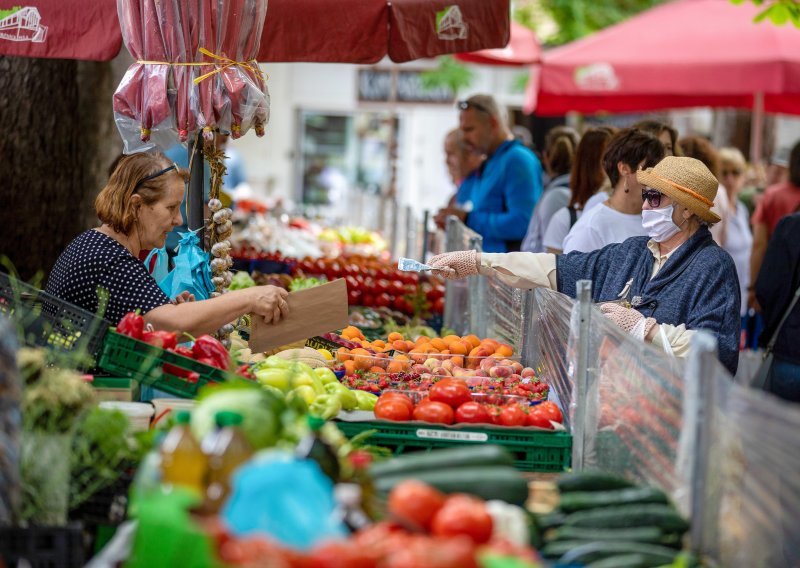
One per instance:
(137, 208)
(676, 278)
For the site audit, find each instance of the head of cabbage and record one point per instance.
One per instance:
(261, 412)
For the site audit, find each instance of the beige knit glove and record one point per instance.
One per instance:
(627, 318)
(456, 265)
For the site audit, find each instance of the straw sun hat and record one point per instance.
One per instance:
(686, 181)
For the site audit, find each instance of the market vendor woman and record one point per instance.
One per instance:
(137, 208)
(677, 279)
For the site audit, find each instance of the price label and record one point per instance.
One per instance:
(322, 343)
(459, 435)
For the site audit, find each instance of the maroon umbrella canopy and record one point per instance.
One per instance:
(522, 49)
(344, 31)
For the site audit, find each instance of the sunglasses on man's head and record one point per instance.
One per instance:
(464, 105)
(652, 196)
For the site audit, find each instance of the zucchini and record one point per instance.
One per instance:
(558, 548)
(416, 462)
(581, 500)
(637, 534)
(551, 520)
(653, 554)
(591, 481)
(492, 482)
(628, 516)
(621, 561)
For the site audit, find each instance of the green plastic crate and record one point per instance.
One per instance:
(532, 450)
(150, 365)
(123, 389)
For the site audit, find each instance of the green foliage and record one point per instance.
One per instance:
(449, 74)
(575, 19)
(776, 11)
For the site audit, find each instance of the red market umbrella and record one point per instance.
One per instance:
(522, 49)
(340, 31)
(681, 54)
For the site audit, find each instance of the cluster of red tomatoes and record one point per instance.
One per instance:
(450, 401)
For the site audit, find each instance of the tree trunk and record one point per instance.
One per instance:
(58, 140)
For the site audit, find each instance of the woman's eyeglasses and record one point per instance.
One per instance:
(652, 196)
(464, 105)
(174, 166)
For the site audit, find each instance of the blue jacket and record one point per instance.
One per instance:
(697, 286)
(509, 185)
(464, 193)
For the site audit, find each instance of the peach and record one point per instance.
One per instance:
(473, 340)
(448, 365)
(419, 369)
(517, 366)
(441, 372)
(500, 372)
(504, 350)
(527, 372)
(488, 363)
(394, 336)
(481, 373)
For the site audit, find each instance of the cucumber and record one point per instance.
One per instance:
(621, 561)
(653, 554)
(492, 482)
(558, 548)
(416, 462)
(551, 520)
(638, 534)
(582, 500)
(590, 481)
(628, 516)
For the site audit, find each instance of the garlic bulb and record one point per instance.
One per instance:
(225, 227)
(214, 205)
(218, 265)
(221, 248)
(218, 281)
(215, 294)
(227, 278)
(222, 215)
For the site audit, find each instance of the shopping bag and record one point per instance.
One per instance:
(160, 269)
(192, 272)
(763, 378)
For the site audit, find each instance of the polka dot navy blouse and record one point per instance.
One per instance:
(94, 260)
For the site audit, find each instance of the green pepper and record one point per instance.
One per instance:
(296, 401)
(326, 406)
(348, 397)
(366, 400)
(325, 375)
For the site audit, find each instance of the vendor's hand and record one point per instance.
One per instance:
(627, 318)
(456, 265)
(183, 297)
(269, 302)
(443, 214)
(752, 301)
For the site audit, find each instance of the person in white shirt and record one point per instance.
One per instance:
(620, 216)
(738, 237)
(588, 183)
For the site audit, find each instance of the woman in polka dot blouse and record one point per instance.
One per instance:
(137, 208)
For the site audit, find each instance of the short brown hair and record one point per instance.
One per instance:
(701, 149)
(631, 147)
(560, 145)
(488, 105)
(656, 127)
(587, 169)
(113, 204)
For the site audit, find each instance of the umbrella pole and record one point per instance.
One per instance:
(195, 201)
(757, 128)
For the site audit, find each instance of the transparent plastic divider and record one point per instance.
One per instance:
(457, 305)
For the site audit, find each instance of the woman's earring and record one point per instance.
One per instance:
(626, 186)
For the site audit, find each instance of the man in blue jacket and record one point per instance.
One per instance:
(509, 182)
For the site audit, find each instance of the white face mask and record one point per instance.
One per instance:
(658, 223)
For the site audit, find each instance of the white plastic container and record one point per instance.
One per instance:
(139, 413)
(165, 406)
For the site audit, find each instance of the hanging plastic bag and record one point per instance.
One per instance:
(192, 272)
(160, 269)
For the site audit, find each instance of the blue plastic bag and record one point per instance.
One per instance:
(286, 498)
(192, 272)
(161, 268)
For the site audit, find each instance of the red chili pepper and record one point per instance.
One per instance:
(185, 351)
(207, 347)
(244, 371)
(163, 339)
(132, 325)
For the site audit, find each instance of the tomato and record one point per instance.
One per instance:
(436, 412)
(463, 515)
(494, 414)
(397, 288)
(422, 551)
(415, 503)
(383, 300)
(353, 297)
(473, 412)
(438, 306)
(398, 396)
(551, 410)
(452, 392)
(513, 415)
(367, 300)
(343, 554)
(392, 409)
(538, 419)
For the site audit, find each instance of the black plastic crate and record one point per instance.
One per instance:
(44, 320)
(109, 506)
(43, 547)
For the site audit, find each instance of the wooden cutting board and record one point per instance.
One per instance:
(313, 311)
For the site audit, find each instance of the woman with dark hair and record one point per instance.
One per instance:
(620, 216)
(138, 207)
(561, 144)
(588, 181)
